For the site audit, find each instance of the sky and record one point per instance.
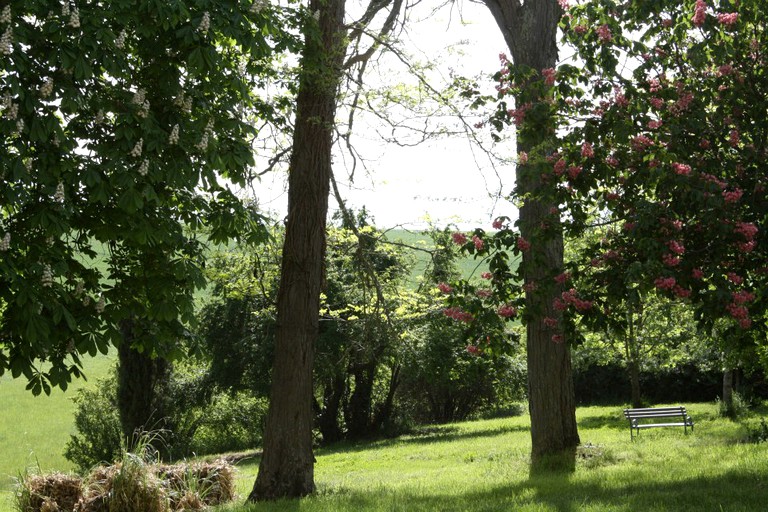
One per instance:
(443, 181)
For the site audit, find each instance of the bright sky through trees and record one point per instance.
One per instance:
(445, 179)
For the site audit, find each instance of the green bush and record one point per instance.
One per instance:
(201, 422)
(97, 422)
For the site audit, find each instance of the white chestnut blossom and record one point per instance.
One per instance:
(5, 243)
(120, 41)
(258, 5)
(6, 41)
(19, 126)
(47, 278)
(139, 97)
(59, 195)
(5, 16)
(100, 305)
(137, 149)
(99, 117)
(65, 8)
(47, 88)
(74, 18)
(173, 138)
(205, 23)
(144, 167)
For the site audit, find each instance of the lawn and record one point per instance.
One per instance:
(33, 430)
(483, 466)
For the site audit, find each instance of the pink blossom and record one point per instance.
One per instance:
(557, 338)
(681, 292)
(518, 114)
(641, 142)
(747, 246)
(479, 244)
(522, 158)
(483, 293)
(559, 304)
(746, 229)
(563, 4)
(587, 151)
(665, 283)
(445, 288)
(704, 144)
(670, 260)
(697, 273)
(676, 247)
(580, 29)
(682, 169)
(486, 275)
(612, 196)
(503, 58)
(550, 75)
(732, 196)
(507, 311)
(728, 19)
(612, 161)
(654, 84)
(550, 322)
(604, 33)
(498, 223)
(653, 125)
(724, 70)
(621, 100)
(458, 314)
(666, 22)
(473, 349)
(459, 238)
(735, 278)
(742, 297)
(657, 103)
(523, 244)
(734, 138)
(574, 171)
(559, 167)
(629, 226)
(699, 14)
(563, 278)
(530, 286)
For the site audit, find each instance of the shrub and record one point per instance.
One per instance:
(97, 423)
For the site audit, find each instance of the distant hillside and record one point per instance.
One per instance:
(469, 267)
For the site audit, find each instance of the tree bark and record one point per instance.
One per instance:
(287, 464)
(140, 383)
(728, 391)
(530, 31)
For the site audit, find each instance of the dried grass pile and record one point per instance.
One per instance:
(133, 485)
(198, 485)
(56, 492)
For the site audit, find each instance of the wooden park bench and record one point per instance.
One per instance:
(670, 416)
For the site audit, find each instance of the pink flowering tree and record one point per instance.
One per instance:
(666, 123)
(123, 129)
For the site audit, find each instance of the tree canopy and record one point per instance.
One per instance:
(125, 127)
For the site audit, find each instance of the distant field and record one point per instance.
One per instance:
(468, 266)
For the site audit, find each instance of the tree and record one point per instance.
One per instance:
(287, 466)
(665, 143)
(115, 151)
(530, 29)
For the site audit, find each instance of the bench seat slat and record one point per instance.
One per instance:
(636, 416)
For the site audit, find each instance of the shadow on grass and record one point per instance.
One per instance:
(734, 490)
(617, 421)
(421, 436)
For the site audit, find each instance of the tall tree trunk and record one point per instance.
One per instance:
(530, 31)
(633, 356)
(287, 464)
(359, 407)
(141, 381)
(728, 392)
(328, 416)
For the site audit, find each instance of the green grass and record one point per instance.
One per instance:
(34, 430)
(484, 466)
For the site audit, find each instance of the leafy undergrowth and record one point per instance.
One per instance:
(484, 466)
